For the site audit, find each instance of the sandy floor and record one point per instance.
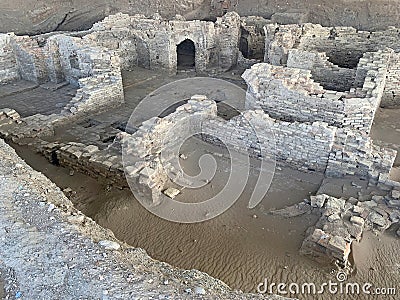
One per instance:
(235, 247)
(386, 132)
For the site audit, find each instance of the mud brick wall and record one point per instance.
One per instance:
(291, 94)
(301, 146)
(88, 159)
(354, 153)
(252, 38)
(330, 76)
(391, 95)
(8, 63)
(57, 58)
(152, 43)
(30, 59)
(343, 46)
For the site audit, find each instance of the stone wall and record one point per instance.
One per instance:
(354, 153)
(252, 38)
(8, 63)
(329, 75)
(343, 46)
(30, 59)
(88, 159)
(291, 94)
(59, 57)
(304, 146)
(391, 95)
(152, 43)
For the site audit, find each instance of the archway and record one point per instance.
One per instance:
(186, 53)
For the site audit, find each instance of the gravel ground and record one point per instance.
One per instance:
(49, 250)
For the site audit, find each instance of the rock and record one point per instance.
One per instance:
(76, 219)
(358, 209)
(333, 218)
(172, 192)
(340, 247)
(396, 194)
(395, 203)
(51, 207)
(255, 216)
(377, 219)
(398, 232)
(377, 198)
(357, 220)
(355, 231)
(335, 203)
(199, 290)
(318, 201)
(109, 245)
(395, 216)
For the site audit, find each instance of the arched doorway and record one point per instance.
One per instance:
(186, 53)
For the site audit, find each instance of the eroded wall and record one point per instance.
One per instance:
(291, 94)
(343, 46)
(152, 43)
(8, 63)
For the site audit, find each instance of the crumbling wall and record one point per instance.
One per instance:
(8, 63)
(227, 31)
(343, 46)
(279, 40)
(354, 153)
(330, 76)
(145, 169)
(291, 94)
(302, 146)
(30, 59)
(252, 37)
(391, 95)
(88, 159)
(95, 70)
(71, 59)
(152, 43)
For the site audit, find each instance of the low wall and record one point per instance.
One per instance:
(343, 46)
(291, 94)
(57, 58)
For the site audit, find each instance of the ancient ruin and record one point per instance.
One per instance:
(321, 103)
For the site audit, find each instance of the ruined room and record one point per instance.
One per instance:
(200, 149)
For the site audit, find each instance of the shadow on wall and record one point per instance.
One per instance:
(186, 52)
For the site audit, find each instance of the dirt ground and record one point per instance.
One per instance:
(49, 250)
(236, 247)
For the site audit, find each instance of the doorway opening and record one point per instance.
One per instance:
(186, 53)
